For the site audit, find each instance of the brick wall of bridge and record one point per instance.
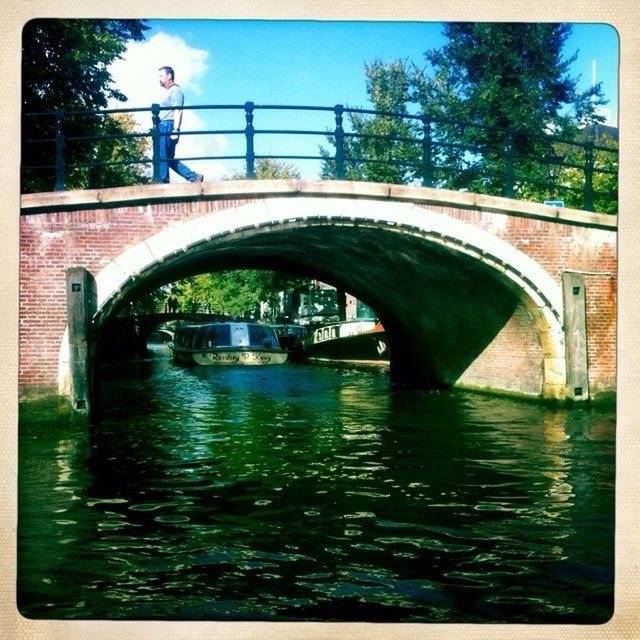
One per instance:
(51, 242)
(557, 247)
(92, 237)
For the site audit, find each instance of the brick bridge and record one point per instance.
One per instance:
(478, 291)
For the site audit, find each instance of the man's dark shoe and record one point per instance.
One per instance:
(198, 178)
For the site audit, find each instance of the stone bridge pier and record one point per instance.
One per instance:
(476, 291)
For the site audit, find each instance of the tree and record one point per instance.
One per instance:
(510, 81)
(507, 78)
(234, 292)
(382, 150)
(147, 303)
(121, 156)
(571, 179)
(65, 65)
(268, 169)
(225, 292)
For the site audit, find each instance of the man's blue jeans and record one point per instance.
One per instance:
(167, 155)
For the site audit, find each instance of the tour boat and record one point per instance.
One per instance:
(356, 341)
(227, 343)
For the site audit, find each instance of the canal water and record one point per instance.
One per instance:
(313, 493)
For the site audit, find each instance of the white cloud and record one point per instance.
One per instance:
(136, 76)
(136, 73)
(221, 141)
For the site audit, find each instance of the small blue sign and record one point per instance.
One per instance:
(554, 203)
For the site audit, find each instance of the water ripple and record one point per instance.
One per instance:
(313, 493)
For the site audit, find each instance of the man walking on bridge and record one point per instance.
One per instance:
(170, 120)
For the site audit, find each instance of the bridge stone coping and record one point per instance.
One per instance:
(244, 189)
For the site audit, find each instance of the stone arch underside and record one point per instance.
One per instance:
(460, 305)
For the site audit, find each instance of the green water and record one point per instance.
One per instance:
(313, 493)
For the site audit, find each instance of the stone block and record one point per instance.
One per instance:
(109, 280)
(173, 239)
(59, 200)
(246, 215)
(241, 189)
(429, 195)
(135, 260)
(554, 371)
(141, 194)
(341, 188)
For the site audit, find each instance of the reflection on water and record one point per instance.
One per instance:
(312, 493)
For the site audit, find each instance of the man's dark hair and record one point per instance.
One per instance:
(168, 70)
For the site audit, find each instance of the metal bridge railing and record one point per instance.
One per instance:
(429, 164)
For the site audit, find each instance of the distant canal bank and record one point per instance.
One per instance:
(304, 492)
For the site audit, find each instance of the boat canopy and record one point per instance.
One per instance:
(226, 334)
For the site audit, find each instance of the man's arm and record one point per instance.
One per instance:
(177, 99)
(177, 120)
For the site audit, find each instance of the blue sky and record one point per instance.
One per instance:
(299, 62)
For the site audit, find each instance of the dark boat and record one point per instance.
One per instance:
(227, 343)
(356, 341)
(291, 338)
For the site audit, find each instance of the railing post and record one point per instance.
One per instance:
(60, 181)
(510, 154)
(427, 163)
(339, 134)
(588, 176)
(249, 132)
(155, 139)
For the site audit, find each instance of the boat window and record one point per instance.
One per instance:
(199, 338)
(334, 332)
(240, 335)
(219, 335)
(184, 338)
(214, 335)
(261, 336)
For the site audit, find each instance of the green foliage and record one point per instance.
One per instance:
(65, 66)
(383, 141)
(502, 77)
(267, 169)
(148, 303)
(508, 80)
(119, 151)
(236, 293)
(605, 185)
